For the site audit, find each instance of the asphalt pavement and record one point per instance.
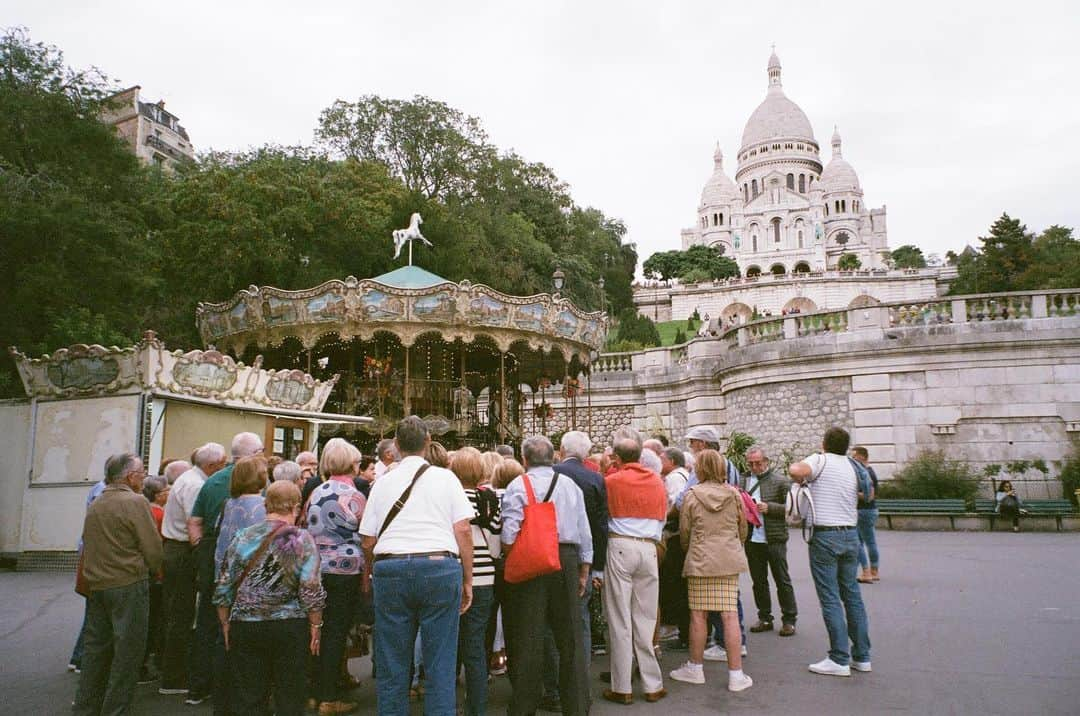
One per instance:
(961, 623)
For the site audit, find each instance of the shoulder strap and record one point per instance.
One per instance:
(551, 489)
(401, 500)
(257, 556)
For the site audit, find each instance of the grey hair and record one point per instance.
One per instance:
(575, 444)
(246, 445)
(174, 470)
(677, 457)
(653, 444)
(209, 454)
(385, 446)
(627, 449)
(626, 433)
(118, 466)
(505, 450)
(650, 460)
(537, 450)
(758, 450)
(411, 435)
(287, 470)
(153, 486)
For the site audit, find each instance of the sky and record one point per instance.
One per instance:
(951, 113)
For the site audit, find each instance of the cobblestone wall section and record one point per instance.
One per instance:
(790, 416)
(605, 421)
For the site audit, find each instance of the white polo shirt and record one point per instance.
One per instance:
(835, 490)
(178, 505)
(426, 522)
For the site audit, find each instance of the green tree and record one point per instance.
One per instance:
(908, 256)
(1056, 262)
(635, 328)
(663, 265)
(1005, 256)
(698, 263)
(680, 337)
(848, 262)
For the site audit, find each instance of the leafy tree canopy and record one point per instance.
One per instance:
(1011, 258)
(848, 262)
(699, 262)
(908, 256)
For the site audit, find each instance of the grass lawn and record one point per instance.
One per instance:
(668, 329)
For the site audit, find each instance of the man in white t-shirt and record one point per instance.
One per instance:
(178, 588)
(413, 553)
(834, 553)
(386, 456)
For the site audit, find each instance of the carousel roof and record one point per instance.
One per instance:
(410, 277)
(407, 302)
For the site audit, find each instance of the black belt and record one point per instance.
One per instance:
(831, 528)
(420, 555)
(178, 541)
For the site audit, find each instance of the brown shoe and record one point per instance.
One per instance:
(655, 696)
(874, 574)
(616, 698)
(761, 626)
(332, 708)
(787, 630)
(864, 577)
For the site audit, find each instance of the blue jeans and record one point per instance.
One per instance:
(77, 651)
(472, 650)
(416, 593)
(116, 621)
(834, 567)
(868, 537)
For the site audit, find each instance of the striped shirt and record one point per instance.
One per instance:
(835, 490)
(483, 562)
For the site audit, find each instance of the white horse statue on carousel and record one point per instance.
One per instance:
(405, 236)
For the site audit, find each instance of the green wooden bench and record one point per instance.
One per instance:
(920, 508)
(1035, 508)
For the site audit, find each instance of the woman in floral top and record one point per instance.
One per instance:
(333, 518)
(270, 600)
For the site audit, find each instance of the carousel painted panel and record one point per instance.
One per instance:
(278, 311)
(488, 311)
(290, 388)
(380, 306)
(566, 324)
(529, 317)
(328, 307)
(439, 306)
(205, 373)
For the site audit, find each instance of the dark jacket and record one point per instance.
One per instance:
(773, 492)
(121, 544)
(596, 508)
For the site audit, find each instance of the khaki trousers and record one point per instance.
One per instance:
(631, 595)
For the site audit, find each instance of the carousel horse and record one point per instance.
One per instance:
(403, 236)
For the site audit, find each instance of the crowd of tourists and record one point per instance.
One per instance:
(251, 582)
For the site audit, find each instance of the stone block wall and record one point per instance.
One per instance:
(605, 421)
(789, 416)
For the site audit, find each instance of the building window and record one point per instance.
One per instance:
(753, 243)
(721, 218)
(843, 206)
(826, 209)
(837, 207)
(791, 182)
(802, 183)
(753, 187)
(776, 230)
(800, 240)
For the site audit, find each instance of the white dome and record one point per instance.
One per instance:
(777, 117)
(838, 175)
(719, 189)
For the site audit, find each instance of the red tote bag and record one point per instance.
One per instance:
(536, 550)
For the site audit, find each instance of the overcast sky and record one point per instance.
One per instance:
(950, 113)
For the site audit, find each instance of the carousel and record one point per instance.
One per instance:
(476, 364)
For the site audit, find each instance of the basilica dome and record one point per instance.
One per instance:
(777, 117)
(719, 189)
(838, 174)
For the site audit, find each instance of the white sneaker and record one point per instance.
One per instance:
(690, 673)
(718, 653)
(172, 692)
(830, 668)
(863, 666)
(741, 683)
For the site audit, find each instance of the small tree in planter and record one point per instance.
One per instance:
(1070, 475)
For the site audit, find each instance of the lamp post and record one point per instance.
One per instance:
(558, 279)
(603, 297)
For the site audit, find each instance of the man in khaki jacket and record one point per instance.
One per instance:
(121, 548)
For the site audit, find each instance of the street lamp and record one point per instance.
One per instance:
(603, 297)
(558, 279)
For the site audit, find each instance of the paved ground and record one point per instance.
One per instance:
(962, 623)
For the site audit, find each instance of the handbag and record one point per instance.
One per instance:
(536, 550)
(750, 510)
(81, 587)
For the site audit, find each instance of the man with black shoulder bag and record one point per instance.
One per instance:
(418, 546)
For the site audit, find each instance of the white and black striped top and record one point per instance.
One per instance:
(483, 562)
(835, 490)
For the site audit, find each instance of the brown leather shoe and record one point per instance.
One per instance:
(761, 626)
(333, 708)
(787, 630)
(616, 698)
(656, 696)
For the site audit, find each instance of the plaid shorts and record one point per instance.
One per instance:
(714, 594)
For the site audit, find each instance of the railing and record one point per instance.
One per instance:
(767, 277)
(972, 309)
(613, 363)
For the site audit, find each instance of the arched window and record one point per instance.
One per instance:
(826, 209)
(753, 187)
(802, 183)
(753, 242)
(843, 206)
(800, 240)
(721, 218)
(714, 219)
(777, 270)
(791, 182)
(745, 193)
(802, 267)
(752, 271)
(776, 230)
(838, 207)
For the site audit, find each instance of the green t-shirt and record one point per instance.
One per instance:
(211, 498)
